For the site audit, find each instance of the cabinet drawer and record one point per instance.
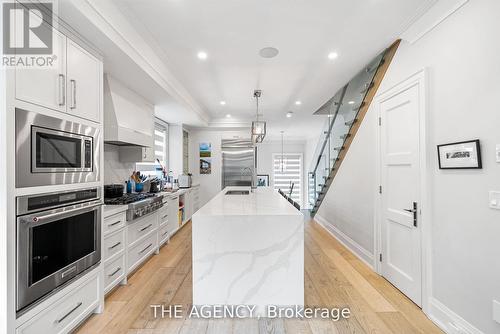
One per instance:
(114, 272)
(114, 222)
(141, 227)
(163, 234)
(64, 314)
(113, 244)
(163, 218)
(138, 253)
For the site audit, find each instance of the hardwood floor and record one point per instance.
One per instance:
(334, 277)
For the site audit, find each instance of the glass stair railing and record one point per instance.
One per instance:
(343, 112)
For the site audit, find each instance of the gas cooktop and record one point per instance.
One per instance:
(127, 198)
(139, 204)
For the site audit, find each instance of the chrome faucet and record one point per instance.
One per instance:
(252, 172)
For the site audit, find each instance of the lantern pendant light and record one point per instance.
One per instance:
(258, 126)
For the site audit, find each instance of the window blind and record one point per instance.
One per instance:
(290, 173)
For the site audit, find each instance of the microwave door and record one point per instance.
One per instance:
(56, 151)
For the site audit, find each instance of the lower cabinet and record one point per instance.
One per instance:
(163, 234)
(142, 250)
(66, 312)
(115, 271)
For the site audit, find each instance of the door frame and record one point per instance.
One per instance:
(419, 78)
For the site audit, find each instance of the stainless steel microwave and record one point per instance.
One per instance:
(52, 151)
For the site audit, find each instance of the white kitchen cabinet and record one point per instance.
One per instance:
(114, 272)
(45, 86)
(64, 314)
(83, 85)
(72, 84)
(173, 213)
(137, 154)
(143, 248)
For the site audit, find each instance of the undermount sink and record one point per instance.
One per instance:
(237, 192)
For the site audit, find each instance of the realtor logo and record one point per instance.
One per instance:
(27, 28)
(27, 35)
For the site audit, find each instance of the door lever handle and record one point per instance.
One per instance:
(414, 211)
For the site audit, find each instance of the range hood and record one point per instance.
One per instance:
(128, 117)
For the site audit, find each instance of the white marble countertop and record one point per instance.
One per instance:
(110, 210)
(248, 249)
(263, 201)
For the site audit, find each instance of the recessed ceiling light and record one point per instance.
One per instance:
(228, 115)
(222, 103)
(351, 102)
(298, 103)
(289, 114)
(330, 115)
(268, 52)
(202, 55)
(333, 55)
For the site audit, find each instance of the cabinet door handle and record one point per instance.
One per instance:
(164, 233)
(115, 223)
(67, 314)
(62, 89)
(115, 245)
(114, 272)
(73, 90)
(145, 249)
(164, 217)
(145, 228)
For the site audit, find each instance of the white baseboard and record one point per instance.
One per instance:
(363, 254)
(449, 321)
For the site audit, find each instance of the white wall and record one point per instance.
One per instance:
(210, 184)
(462, 57)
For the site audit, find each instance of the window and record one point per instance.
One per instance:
(185, 152)
(161, 142)
(287, 171)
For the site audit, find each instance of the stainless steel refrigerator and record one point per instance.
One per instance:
(239, 161)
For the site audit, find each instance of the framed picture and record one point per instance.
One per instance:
(461, 155)
(205, 165)
(205, 158)
(263, 180)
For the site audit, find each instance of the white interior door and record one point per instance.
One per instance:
(400, 180)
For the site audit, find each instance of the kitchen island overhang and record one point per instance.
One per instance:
(248, 250)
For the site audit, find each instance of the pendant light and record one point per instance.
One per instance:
(258, 127)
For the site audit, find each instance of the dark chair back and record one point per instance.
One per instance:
(296, 205)
(290, 200)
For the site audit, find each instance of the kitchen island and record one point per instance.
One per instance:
(248, 249)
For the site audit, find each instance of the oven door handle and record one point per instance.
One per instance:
(41, 219)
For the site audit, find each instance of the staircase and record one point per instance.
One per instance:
(345, 111)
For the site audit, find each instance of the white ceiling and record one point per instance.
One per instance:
(232, 32)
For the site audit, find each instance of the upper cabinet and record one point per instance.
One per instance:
(128, 117)
(83, 87)
(73, 84)
(46, 86)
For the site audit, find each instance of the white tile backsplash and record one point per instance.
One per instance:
(115, 171)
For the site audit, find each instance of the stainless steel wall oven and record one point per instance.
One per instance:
(58, 238)
(52, 151)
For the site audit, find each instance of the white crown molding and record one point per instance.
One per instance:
(433, 17)
(109, 20)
